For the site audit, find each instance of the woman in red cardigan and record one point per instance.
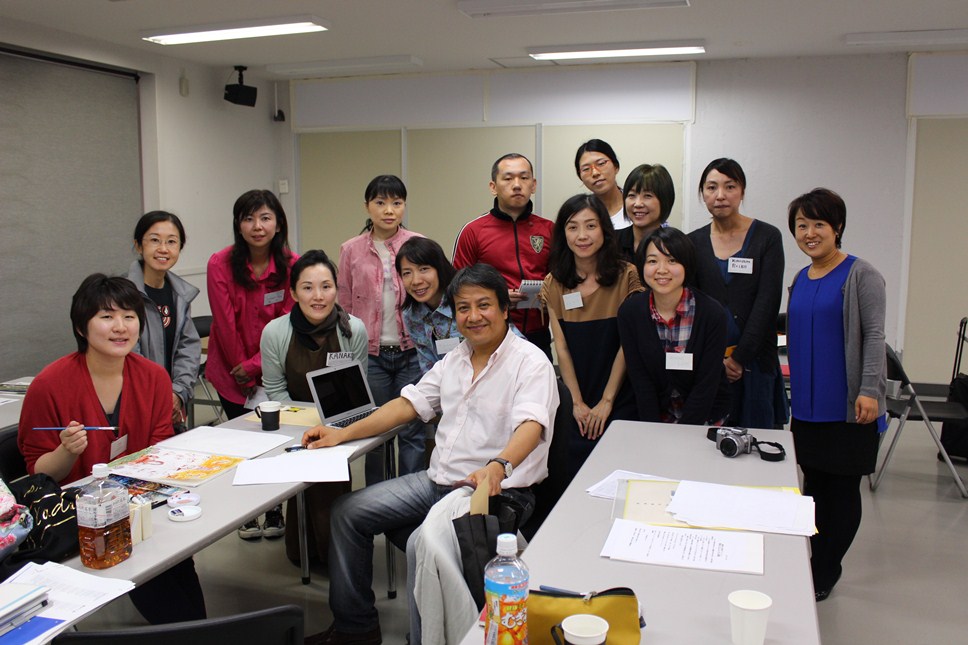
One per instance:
(104, 384)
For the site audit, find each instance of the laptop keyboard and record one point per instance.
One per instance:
(353, 419)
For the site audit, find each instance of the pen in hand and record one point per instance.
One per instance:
(113, 429)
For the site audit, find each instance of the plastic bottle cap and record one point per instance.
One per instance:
(100, 471)
(507, 544)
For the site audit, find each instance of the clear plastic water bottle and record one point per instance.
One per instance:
(103, 529)
(506, 595)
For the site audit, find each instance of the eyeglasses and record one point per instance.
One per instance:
(172, 243)
(600, 164)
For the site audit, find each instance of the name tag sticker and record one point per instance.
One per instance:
(273, 297)
(741, 265)
(444, 345)
(572, 300)
(119, 446)
(682, 362)
(338, 358)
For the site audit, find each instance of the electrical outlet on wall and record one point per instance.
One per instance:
(283, 186)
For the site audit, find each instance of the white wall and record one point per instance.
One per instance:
(199, 153)
(798, 123)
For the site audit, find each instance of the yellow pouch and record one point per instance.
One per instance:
(618, 606)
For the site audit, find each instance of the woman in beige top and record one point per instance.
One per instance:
(587, 283)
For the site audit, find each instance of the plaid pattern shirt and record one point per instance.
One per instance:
(674, 336)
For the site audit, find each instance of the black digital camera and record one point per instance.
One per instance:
(734, 441)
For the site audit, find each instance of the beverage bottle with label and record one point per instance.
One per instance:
(506, 595)
(103, 529)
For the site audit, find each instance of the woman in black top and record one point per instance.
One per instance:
(740, 264)
(649, 196)
(673, 338)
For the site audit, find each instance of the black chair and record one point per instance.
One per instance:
(906, 406)
(203, 325)
(276, 626)
(12, 465)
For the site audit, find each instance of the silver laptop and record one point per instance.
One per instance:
(341, 394)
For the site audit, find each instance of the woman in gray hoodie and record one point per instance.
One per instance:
(169, 337)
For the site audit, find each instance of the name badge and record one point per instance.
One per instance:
(444, 345)
(338, 358)
(572, 300)
(119, 446)
(682, 362)
(740, 265)
(273, 297)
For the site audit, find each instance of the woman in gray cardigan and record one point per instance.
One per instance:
(838, 376)
(169, 337)
(315, 334)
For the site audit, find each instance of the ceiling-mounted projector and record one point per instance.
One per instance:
(240, 93)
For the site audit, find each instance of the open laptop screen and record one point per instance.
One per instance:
(340, 390)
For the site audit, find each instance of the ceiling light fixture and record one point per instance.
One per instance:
(335, 67)
(491, 8)
(925, 38)
(618, 50)
(235, 30)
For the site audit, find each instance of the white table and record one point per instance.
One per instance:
(680, 605)
(225, 507)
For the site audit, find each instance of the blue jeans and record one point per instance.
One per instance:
(390, 506)
(388, 373)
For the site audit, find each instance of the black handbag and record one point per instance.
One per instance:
(54, 536)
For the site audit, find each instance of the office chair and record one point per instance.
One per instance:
(12, 464)
(275, 626)
(203, 325)
(914, 409)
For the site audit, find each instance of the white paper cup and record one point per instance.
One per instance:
(748, 614)
(584, 629)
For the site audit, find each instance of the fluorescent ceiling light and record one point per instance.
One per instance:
(924, 38)
(372, 64)
(489, 8)
(618, 50)
(234, 30)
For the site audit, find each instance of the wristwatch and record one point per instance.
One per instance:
(508, 468)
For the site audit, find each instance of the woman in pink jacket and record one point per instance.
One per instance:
(248, 285)
(370, 289)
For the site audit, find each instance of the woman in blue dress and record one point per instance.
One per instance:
(838, 376)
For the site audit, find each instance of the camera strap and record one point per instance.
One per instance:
(769, 455)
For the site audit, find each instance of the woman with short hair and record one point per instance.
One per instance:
(649, 196)
(673, 337)
(838, 376)
(597, 166)
(105, 384)
(741, 266)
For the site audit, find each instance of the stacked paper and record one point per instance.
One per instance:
(739, 507)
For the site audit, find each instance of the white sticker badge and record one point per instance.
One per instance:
(741, 265)
(273, 297)
(445, 345)
(681, 362)
(338, 358)
(572, 300)
(119, 446)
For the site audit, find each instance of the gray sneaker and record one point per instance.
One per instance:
(275, 525)
(250, 530)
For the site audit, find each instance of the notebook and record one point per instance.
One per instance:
(341, 394)
(19, 603)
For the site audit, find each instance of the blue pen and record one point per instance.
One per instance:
(113, 429)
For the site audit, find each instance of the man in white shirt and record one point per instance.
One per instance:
(497, 397)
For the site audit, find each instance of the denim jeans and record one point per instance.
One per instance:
(388, 373)
(388, 506)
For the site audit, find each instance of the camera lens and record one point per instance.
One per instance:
(728, 447)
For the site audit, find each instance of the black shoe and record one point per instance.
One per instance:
(822, 594)
(275, 525)
(333, 637)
